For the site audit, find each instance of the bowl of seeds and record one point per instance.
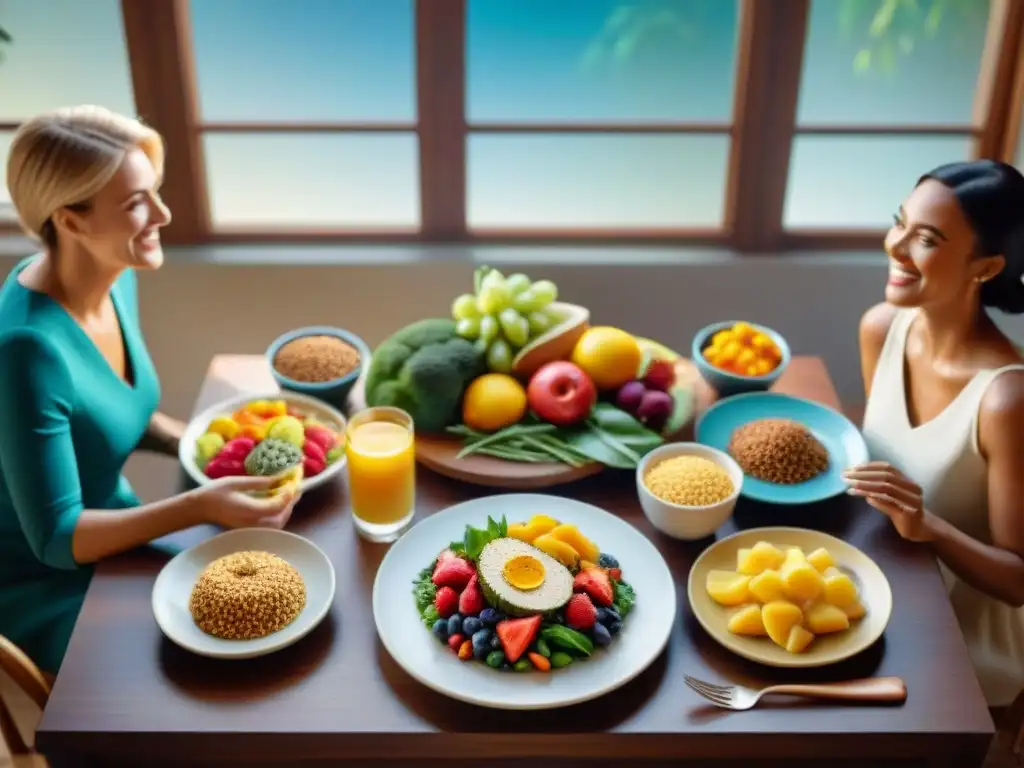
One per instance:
(778, 450)
(688, 490)
(319, 361)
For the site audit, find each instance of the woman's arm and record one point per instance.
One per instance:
(162, 435)
(996, 569)
(874, 327)
(41, 471)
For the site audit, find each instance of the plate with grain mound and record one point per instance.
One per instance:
(791, 450)
(243, 593)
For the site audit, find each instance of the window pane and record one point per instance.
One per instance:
(918, 64)
(863, 189)
(300, 180)
(6, 211)
(600, 60)
(65, 52)
(318, 60)
(596, 181)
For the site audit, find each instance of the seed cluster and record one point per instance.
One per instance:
(692, 481)
(778, 451)
(247, 595)
(316, 359)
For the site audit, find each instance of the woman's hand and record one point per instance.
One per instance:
(228, 502)
(890, 491)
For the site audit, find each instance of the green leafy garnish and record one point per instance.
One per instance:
(567, 638)
(475, 539)
(424, 592)
(625, 597)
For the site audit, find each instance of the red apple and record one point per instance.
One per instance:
(561, 393)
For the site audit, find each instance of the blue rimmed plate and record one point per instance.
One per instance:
(844, 442)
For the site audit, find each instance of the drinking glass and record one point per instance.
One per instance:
(381, 455)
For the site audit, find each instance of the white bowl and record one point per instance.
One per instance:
(678, 520)
(320, 410)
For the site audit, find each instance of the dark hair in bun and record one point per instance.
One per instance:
(991, 195)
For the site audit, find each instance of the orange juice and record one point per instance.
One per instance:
(381, 471)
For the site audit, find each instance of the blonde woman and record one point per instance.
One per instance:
(78, 391)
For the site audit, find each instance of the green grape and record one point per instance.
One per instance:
(517, 283)
(499, 356)
(464, 308)
(514, 326)
(527, 302)
(488, 328)
(545, 291)
(493, 295)
(539, 322)
(468, 328)
(482, 345)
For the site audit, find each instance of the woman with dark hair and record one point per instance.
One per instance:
(945, 402)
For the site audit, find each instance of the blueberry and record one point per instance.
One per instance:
(614, 627)
(490, 617)
(613, 614)
(607, 561)
(495, 642)
(471, 625)
(440, 629)
(602, 616)
(454, 624)
(481, 644)
(602, 636)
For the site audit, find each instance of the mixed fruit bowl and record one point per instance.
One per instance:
(516, 375)
(295, 437)
(536, 595)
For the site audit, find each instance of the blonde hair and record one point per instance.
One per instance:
(64, 157)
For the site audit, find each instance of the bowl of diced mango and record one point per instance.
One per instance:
(736, 356)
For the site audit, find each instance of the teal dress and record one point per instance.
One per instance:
(68, 424)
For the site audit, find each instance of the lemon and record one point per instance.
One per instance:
(610, 356)
(492, 402)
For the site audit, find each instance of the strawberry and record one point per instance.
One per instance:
(595, 583)
(455, 641)
(446, 601)
(660, 375)
(580, 613)
(320, 436)
(471, 601)
(312, 467)
(314, 451)
(452, 571)
(516, 635)
(615, 574)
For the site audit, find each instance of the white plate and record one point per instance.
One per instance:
(174, 586)
(309, 405)
(644, 634)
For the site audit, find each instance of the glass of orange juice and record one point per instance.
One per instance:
(381, 457)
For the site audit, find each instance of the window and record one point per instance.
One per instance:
(753, 124)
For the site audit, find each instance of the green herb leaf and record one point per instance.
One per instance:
(625, 597)
(430, 615)
(475, 539)
(567, 638)
(424, 590)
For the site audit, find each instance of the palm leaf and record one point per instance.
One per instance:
(5, 37)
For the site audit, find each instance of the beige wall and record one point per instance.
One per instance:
(205, 302)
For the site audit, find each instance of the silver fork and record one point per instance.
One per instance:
(739, 698)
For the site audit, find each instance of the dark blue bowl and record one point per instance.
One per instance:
(334, 392)
(726, 383)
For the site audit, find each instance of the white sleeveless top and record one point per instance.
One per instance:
(942, 456)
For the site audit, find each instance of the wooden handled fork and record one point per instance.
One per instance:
(884, 689)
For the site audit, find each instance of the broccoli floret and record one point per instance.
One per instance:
(424, 369)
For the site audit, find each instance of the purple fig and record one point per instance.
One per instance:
(630, 396)
(655, 408)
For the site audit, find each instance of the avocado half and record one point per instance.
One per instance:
(547, 598)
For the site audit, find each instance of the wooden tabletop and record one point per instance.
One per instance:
(127, 696)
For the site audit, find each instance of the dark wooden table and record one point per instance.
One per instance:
(127, 696)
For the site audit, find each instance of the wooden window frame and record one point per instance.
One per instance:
(771, 41)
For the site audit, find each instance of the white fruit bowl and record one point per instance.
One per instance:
(319, 410)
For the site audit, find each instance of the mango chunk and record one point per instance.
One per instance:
(798, 640)
(747, 621)
(559, 550)
(571, 535)
(802, 580)
(839, 588)
(854, 610)
(768, 586)
(779, 617)
(728, 587)
(758, 558)
(821, 560)
(536, 526)
(824, 618)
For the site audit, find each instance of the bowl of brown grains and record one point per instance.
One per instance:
(243, 593)
(319, 361)
(688, 490)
